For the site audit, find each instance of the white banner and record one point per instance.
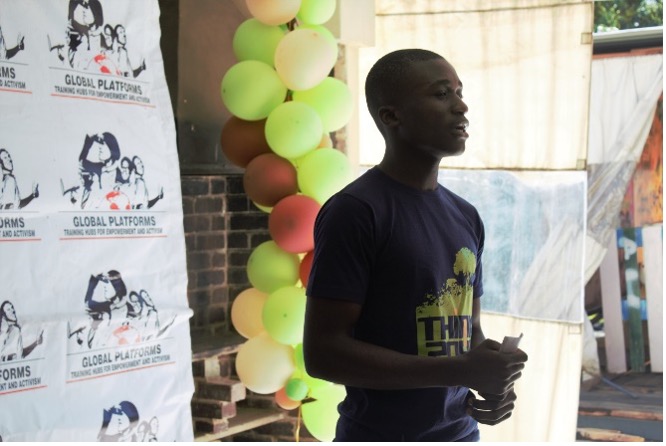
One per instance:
(94, 318)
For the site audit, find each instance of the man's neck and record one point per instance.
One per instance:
(421, 176)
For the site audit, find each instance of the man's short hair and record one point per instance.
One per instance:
(386, 78)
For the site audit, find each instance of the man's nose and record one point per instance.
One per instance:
(460, 107)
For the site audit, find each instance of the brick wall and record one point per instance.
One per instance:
(222, 227)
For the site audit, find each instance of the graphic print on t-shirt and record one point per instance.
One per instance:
(444, 319)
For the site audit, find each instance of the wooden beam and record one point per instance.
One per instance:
(612, 307)
(631, 243)
(653, 261)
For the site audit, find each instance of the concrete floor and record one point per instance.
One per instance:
(627, 407)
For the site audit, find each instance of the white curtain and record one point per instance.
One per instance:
(623, 97)
(525, 66)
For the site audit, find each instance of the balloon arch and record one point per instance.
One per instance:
(284, 105)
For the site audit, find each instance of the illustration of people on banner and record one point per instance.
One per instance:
(116, 317)
(11, 335)
(123, 423)
(107, 181)
(92, 45)
(10, 196)
(7, 53)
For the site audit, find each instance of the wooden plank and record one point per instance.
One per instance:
(630, 242)
(246, 419)
(205, 345)
(594, 434)
(653, 245)
(612, 306)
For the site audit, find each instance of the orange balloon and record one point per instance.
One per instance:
(291, 223)
(269, 178)
(242, 141)
(284, 401)
(246, 312)
(305, 268)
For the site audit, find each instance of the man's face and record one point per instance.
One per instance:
(6, 161)
(431, 111)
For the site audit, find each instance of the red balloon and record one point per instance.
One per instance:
(269, 178)
(291, 223)
(242, 141)
(305, 267)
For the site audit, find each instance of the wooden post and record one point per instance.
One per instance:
(653, 245)
(630, 241)
(611, 300)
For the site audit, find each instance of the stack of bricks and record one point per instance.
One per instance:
(215, 395)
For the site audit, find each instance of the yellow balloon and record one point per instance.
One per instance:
(327, 34)
(303, 58)
(263, 365)
(246, 312)
(273, 12)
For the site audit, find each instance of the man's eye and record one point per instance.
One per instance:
(441, 93)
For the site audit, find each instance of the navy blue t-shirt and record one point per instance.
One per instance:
(412, 259)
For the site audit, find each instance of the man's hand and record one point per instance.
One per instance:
(493, 409)
(490, 372)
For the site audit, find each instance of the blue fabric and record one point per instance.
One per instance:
(412, 259)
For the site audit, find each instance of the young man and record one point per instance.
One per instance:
(393, 308)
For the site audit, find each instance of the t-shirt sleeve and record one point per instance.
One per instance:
(344, 250)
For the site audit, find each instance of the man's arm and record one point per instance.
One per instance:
(331, 353)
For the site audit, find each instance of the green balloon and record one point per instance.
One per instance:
(270, 268)
(316, 11)
(323, 172)
(251, 90)
(299, 360)
(320, 417)
(254, 40)
(293, 129)
(283, 315)
(332, 100)
(315, 384)
(296, 389)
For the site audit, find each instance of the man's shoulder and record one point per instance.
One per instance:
(459, 201)
(365, 187)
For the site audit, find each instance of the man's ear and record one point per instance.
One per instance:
(388, 116)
